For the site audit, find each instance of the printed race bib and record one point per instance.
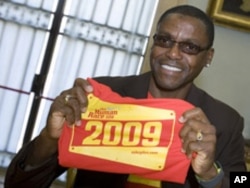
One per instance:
(127, 135)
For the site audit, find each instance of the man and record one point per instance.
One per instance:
(182, 48)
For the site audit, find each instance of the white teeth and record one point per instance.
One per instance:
(167, 67)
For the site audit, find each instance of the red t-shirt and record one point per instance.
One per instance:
(127, 135)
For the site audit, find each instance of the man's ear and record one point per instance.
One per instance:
(209, 58)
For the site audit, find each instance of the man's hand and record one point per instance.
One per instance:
(199, 140)
(68, 107)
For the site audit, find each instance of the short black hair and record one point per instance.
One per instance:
(192, 11)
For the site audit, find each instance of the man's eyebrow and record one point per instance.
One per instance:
(164, 34)
(188, 40)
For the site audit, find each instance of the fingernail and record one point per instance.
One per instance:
(84, 109)
(194, 154)
(89, 89)
(78, 123)
(181, 119)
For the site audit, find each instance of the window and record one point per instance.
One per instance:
(46, 44)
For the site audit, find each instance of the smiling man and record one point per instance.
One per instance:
(211, 133)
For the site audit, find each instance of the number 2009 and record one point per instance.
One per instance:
(129, 134)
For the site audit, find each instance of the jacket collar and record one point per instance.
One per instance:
(138, 88)
(195, 96)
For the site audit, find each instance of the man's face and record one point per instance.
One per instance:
(173, 67)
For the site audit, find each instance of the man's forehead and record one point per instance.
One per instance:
(183, 19)
(186, 27)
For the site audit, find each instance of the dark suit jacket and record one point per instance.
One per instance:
(229, 148)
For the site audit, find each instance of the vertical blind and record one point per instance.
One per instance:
(94, 38)
(24, 29)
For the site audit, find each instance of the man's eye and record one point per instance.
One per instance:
(163, 39)
(190, 46)
(166, 41)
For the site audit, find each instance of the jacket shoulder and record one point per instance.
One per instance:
(218, 112)
(133, 86)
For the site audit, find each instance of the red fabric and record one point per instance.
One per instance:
(141, 136)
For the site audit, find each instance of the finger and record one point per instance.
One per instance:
(206, 146)
(76, 93)
(79, 82)
(65, 104)
(196, 126)
(192, 126)
(195, 131)
(193, 136)
(81, 89)
(73, 111)
(188, 138)
(195, 113)
(77, 102)
(82, 99)
(63, 108)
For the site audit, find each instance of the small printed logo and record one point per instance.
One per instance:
(239, 179)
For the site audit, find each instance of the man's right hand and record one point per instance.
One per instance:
(68, 107)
